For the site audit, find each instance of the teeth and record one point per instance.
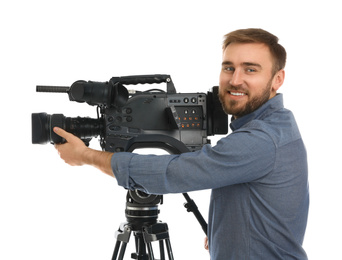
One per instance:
(237, 93)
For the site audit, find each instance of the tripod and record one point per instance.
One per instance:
(141, 214)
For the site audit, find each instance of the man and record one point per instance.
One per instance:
(258, 173)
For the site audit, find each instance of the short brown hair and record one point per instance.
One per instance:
(252, 35)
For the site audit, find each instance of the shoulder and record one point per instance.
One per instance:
(280, 127)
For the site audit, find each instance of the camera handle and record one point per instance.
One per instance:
(192, 207)
(147, 79)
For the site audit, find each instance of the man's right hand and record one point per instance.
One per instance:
(75, 153)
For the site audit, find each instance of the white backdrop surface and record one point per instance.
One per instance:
(50, 210)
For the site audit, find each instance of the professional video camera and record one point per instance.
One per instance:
(175, 122)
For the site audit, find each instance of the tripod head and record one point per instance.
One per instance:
(142, 209)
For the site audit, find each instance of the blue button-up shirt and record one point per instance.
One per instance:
(259, 180)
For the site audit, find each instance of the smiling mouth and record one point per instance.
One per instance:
(234, 93)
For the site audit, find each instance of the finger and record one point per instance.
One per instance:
(61, 132)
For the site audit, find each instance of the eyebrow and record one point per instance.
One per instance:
(244, 64)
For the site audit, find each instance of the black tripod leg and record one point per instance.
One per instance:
(161, 249)
(150, 251)
(122, 236)
(169, 249)
(116, 249)
(122, 250)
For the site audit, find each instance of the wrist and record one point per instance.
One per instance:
(88, 156)
(98, 159)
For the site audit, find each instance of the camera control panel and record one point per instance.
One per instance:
(187, 110)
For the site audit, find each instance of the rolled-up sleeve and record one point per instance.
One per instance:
(242, 156)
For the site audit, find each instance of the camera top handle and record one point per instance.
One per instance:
(147, 79)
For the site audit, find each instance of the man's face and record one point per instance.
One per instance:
(246, 80)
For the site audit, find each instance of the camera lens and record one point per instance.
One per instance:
(42, 128)
(43, 124)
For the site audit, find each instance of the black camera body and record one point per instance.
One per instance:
(176, 122)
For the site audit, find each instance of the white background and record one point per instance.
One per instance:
(50, 210)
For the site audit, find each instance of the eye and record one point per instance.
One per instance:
(250, 70)
(228, 68)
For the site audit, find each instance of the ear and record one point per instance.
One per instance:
(278, 80)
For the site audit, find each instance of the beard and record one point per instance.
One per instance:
(232, 107)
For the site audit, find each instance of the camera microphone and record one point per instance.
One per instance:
(52, 89)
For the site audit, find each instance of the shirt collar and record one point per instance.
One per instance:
(270, 106)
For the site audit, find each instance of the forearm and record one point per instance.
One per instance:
(100, 160)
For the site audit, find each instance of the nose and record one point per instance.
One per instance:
(237, 78)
